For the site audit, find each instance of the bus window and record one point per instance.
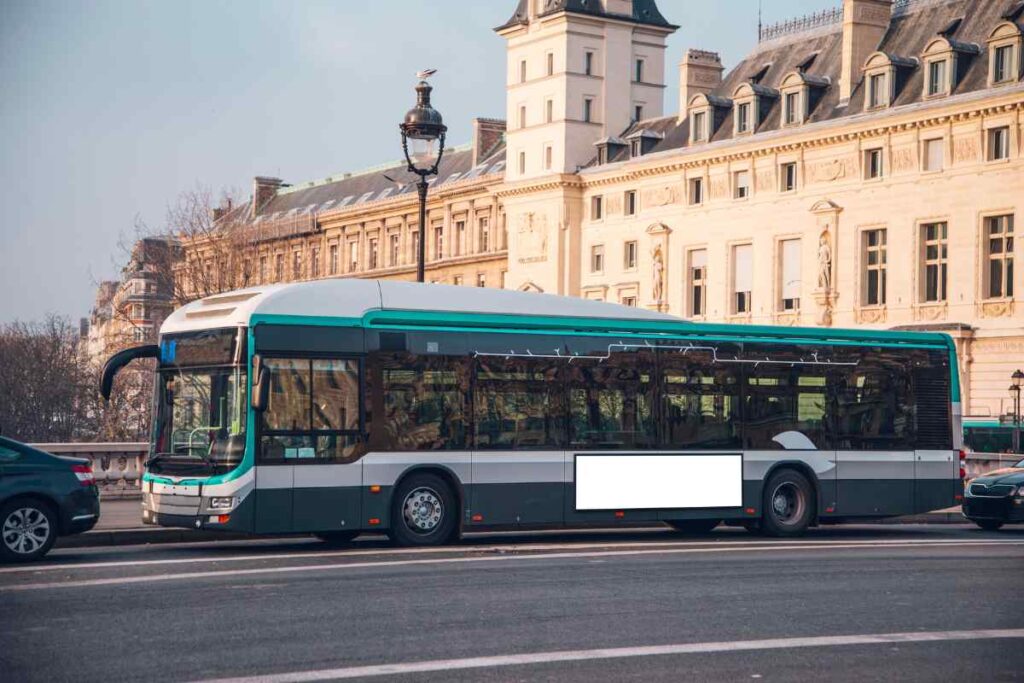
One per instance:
(335, 395)
(288, 399)
(700, 401)
(611, 403)
(519, 403)
(424, 402)
(782, 398)
(875, 404)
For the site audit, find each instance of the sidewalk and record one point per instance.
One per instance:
(121, 524)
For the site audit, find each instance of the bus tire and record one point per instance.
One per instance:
(337, 537)
(694, 526)
(989, 524)
(787, 504)
(424, 511)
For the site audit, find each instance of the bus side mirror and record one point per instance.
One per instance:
(260, 384)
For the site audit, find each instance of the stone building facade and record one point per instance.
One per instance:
(863, 167)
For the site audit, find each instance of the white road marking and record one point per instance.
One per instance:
(475, 560)
(622, 653)
(508, 548)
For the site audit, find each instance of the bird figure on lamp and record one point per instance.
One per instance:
(425, 74)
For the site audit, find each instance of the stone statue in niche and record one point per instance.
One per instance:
(825, 261)
(658, 275)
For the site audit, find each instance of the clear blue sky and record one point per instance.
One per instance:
(110, 109)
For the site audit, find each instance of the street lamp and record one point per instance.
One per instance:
(1015, 389)
(423, 130)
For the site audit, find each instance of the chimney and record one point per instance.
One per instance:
(263, 190)
(487, 133)
(864, 25)
(699, 72)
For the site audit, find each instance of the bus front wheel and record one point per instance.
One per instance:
(424, 511)
(788, 505)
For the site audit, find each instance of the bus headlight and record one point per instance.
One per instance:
(222, 503)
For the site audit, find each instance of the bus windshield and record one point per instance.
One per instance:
(201, 416)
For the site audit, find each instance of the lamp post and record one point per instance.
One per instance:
(1015, 389)
(424, 128)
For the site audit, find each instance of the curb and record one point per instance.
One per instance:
(160, 535)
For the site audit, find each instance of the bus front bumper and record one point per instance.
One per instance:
(178, 512)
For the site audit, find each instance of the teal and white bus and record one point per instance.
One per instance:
(342, 406)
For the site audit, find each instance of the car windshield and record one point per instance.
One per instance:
(1020, 464)
(201, 420)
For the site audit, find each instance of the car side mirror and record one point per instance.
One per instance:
(260, 385)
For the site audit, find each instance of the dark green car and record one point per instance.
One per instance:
(42, 496)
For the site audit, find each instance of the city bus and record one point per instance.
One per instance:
(988, 435)
(343, 406)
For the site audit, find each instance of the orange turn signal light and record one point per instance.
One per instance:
(223, 519)
(477, 518)
(375, 488)
(619, 514)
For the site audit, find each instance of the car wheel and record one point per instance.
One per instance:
(424, 511)
(337, 537)
(787, 505)
(990, 524)
(694, 526)
(28, 529)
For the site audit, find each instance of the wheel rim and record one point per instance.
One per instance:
(26, 530)
(423, 510)
(788, 503)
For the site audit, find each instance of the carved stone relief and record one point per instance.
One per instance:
(871, 315)
(966, 149)
(532, 237)
(831, 170)
(996, 309)
(930, 312)
(765, 180)
(659, 196)
(902, 159)
(719, 187)
(614, 207)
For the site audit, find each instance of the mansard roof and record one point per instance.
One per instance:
(644, 12)
(910, 32)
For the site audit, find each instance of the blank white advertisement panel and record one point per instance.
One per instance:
(648, 482)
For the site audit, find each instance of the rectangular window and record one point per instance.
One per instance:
(549, 111)
(551, 64)
(788, 177)
(1002, 64)
(937, 77)
(439, 242)
(792, 106)
(519, 404)
(588, 110)
(700, 400)
(394, 249)
(784, 398)
(873, 164)
(279, 268)
(333, 259)
(313, 411)
(933, 262)
(484, 240)
(696, 191)
(522, 163)
(522, 116)
(481, 280)
(602, 155)
(791, 278)
(263, 269)
(631, 203)
(296, 265)
(933, 154)
(457, 280)
(638, 112)
(597, 208)
(353, 256)
(874, 259)
(742, 277)
(588, 63)
(698, 282)
(374, 253)
(522, 71)
(876, 91)
(414, 233)
(460, 238)
(743, 118)
(425, 403)
(699, 129)
(741, 184)
(998, 143)
(999, 257)
(635, 148)
(638, 71)
(597, 258)
(611, 404)
(629, 256)
(314, 262)
(548, 153)
(629, 300)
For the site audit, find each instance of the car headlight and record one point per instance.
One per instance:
(222, 503)
(1020, 491)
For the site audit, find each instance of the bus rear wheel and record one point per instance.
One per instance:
(424, 511)
(788, 504)
(694, 526)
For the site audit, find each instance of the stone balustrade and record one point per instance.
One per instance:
(117, 466)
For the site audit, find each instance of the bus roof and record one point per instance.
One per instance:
(387, 303)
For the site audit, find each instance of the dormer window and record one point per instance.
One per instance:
(792, 106)
(938, 83)
(635, 148)
(699, 127)
(1004, 47)
(752, 103)
(946, 60)
(608, 149)
(884, 77)
(707, 113)
(801, 93)
(643, 141)
(743, 118)
(876, 91)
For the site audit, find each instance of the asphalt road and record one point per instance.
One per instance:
(850, 603)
